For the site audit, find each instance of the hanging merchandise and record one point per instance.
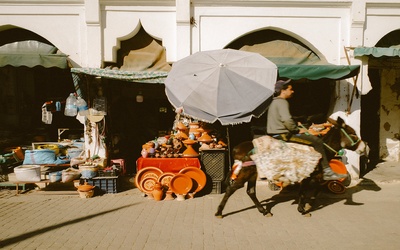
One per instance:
(70, 106)
(99, 104)
(82, 107)
(47, 116)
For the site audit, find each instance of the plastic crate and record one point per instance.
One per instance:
(108, 185)
(214, 163)
(3, 177)
(107, 173)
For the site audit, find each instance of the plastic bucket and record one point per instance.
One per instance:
(28, 173)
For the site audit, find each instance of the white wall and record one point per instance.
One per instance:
(60, 24)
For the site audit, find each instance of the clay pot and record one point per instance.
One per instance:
(86, 194)
(189, 152)
(85, 187)
(194, 129)
(158, 191)
(205, 137)
(86, 190)
(181, 126)
(181, 135)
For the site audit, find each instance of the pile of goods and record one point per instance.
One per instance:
(283, 163)
(319, 129)
(53, 153)
(184, 141)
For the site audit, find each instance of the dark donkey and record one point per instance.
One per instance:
(340, 136)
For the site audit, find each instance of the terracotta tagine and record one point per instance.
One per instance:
(86, 190)
(205, 137)
(180, 126)
(194, 129)
(181, 135)
(189, 152)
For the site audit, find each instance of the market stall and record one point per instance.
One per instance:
(170, 159)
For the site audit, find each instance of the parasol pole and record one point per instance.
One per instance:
(229, 147)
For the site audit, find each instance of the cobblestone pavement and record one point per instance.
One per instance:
(365, 217)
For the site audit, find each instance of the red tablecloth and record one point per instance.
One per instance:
(173, 165)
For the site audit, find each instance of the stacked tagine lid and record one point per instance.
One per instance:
(205, 137)
(189, 152)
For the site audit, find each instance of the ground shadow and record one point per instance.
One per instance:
(324, 199)
(24, 236)
(364, 185)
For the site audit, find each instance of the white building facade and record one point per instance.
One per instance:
(90, 31)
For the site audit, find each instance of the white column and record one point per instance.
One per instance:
(358, 18)
(94, 39)
(183, 28)
(352, 116)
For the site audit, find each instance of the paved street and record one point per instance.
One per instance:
(365, 217)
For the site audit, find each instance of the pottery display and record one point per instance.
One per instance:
(158, 191)
(147, 172)
(181, 126)
(181, 135)
(147, 186)
(194, 129)
(165, 180)
(198, 177)
(189, 152)
(205, 137)
(181, 184)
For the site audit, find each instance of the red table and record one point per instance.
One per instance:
(173, 165)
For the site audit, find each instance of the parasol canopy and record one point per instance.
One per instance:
(228, 85)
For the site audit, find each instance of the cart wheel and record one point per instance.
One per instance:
(336, 187)
(346, 181)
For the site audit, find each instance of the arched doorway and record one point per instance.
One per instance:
(27, 82)
(379, 107)
(312, 100)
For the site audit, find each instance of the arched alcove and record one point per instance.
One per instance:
(26, 83)
(312, 99)
(141, 52)
(379, 107)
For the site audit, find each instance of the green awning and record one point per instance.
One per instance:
(315, 72)
(295, 72)
(31, 54)
(31, 60)
(296, 62)
(377, 51)
(130, 76)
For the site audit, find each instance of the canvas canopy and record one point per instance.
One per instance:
(296, 62)
(130, 76)
(392, 51)
(295, 72)
(31, 54)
